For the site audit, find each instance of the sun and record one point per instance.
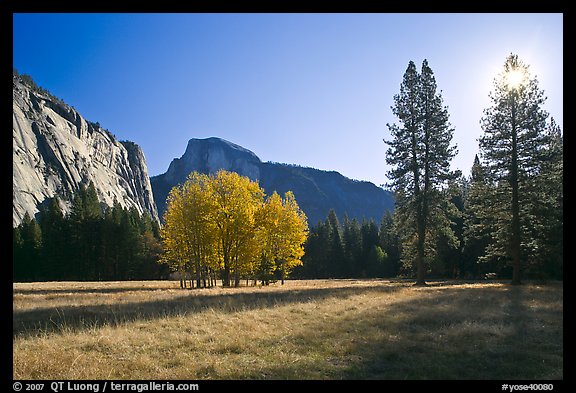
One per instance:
(515, 78)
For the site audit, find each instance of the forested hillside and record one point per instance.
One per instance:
(93, 242)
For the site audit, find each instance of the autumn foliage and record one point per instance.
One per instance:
(223, 226)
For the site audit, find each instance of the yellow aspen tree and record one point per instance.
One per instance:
(283, 229)
(237, 198)
(294, 230)
(176, 250)
(188, 231)
(222, 223)
(268, 220)
(199, 209)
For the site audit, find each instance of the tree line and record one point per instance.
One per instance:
(92, 242)
(350, 249)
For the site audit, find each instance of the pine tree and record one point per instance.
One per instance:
(551, 244)
(510, 149)
(420, 154)
(85, 233)
(477, 229)
(542, 226)
(54, 240)
(317, 257)
(335, 249)
(28, 239)
(389, 242)
(376, 262)
(450, 239)
(370, 238)
(352, 239)
(18, 268)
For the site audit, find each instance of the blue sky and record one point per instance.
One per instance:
(307, 89)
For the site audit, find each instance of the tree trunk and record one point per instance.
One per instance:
(515, 249)
(236, 278)
(226, 272)
(421, 241)
(420, 265)
(226, 277)
(198, 273)
(183, 280)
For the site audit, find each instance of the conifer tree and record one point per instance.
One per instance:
(335, 248)
(511, 148)
(420, 154)
(28, 245)
(548, 245)
(352, 239)
(317, 258)
(54, 240)
(370, 239)
(389, 242)
(477, 219)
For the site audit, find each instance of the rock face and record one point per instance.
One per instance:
(316, 191)
(210, 155)
(55, 150)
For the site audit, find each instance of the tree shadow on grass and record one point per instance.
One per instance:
(447, 331)
(455, 334)
(31, 322)
(101, 290)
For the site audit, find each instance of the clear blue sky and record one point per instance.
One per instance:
(307, 89)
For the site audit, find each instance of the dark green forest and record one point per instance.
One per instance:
(92, 243)
(367, 249)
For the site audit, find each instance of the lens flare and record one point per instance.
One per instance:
(514, 78)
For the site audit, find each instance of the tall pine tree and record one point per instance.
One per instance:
(420, 154)
(512, 149)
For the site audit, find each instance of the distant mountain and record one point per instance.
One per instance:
(55, 150)
(316, 191)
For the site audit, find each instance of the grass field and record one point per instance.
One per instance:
(313, 329)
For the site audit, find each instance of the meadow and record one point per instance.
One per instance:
(305, 329)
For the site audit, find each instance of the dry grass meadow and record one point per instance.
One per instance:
(313, 329)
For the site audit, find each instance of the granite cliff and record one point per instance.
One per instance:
(55, 150)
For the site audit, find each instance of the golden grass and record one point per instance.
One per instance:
(312, 329)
